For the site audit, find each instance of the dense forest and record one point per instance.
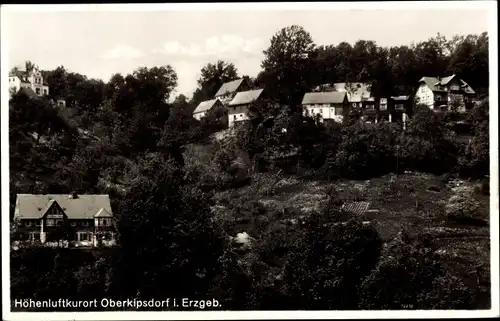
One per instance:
(129, 139)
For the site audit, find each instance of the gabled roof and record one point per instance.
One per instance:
(332, 97)
(246, 97)
(229, 87)
(34, 206)
(28, 92)
(205, 105)
(18, 73)
(447, 79)
(103, 213)
(433, 82)
(356, 91)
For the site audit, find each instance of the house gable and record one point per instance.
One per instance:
(103, 213)
(54, 210)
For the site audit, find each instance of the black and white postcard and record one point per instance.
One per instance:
(250, 160)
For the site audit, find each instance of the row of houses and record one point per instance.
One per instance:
(234, 98)
(331, 101)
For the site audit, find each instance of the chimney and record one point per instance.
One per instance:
(73, 195)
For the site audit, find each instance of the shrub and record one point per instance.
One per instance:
(425, 145)
(327, 263)
(463, 207)
(367, 150)
(413, 278)
(475, 159)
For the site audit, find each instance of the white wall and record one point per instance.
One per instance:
(238, 113)
(199, 115)
(425, 96)
(326, 111)
(15, 82)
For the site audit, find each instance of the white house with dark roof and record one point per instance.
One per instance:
(357, 92)
(81, 220)
(238, 107)
(442, 93)
(33, 80)
(203, 108)
(229, 89)
(329, 105)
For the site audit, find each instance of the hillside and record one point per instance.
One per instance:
(411, 204)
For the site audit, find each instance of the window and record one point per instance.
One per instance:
(438, 98)
(85, 223)
(234, 117)
(50, 222)
(83, 236)
(38, 91)
(34, 236)
(27, 223)
(73, 223)
(45, 92)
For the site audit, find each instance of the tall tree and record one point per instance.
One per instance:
(57, 80)
(470, 60)
(213, 75)
(287, 65)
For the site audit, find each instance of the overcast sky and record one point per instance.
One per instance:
(99, 44)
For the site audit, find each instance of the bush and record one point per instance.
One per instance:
(413, 278)
(326, 264)
(425, 145)
(464, 208)
(475, 160)
(367, 150)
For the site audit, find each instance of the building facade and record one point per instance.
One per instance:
(71, 220)
(445, 93)
(205, 106)
(328, 105)
(32, 80)
(238, 107)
